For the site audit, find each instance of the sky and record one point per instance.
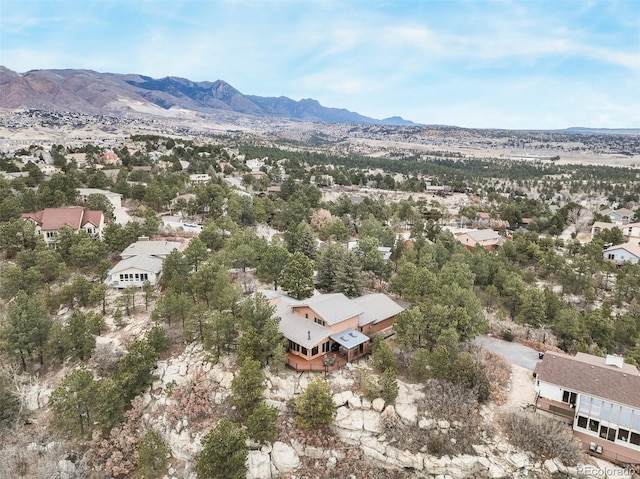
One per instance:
(534, 64)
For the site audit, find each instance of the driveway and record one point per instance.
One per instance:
(515, 353)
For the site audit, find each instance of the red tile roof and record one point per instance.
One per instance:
(591, 375)
(52, 219)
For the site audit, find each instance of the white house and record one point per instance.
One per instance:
(114, 198)
(199, 179)
(598, 397)
(623, 253)
(134, 271)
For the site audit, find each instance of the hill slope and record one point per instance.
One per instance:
(87, 91)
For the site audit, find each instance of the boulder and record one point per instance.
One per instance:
(341, 399)
(443, 424)
(372, 422)
(378, 404)
(408, 413)
(259, 465)
(284, 457)
(550, 466)
(351, 419)
(354, 402)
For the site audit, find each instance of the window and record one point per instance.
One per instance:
(636, 420)
(611, 256)
(585, 402)
(594, 425)
(51, 234)
(314, 351)
(304, 351)
(596, 405)
(326, 347)
(569, 397)
(306, 315)
(294, 346)
(582, 422)
(635, 438)
(608, 433)
(625, 417)
(623, 435)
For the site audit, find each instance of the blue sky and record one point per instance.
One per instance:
(474, 63)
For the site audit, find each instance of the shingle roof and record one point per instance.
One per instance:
(52, 219)
(590, 375)
(632, 248)
(295, 328)
(483, 235)
(143, 262)
(333, 308)
(152, 248)
(376, 307)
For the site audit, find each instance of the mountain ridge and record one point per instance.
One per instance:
(89, 91)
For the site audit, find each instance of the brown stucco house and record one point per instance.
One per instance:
(331, 330)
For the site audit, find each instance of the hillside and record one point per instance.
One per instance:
(87, 91)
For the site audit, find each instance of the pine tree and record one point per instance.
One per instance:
(348, 277)
(247, 387)
(298, 277)
(224, 452)
(315, 406)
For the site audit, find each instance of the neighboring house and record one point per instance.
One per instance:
(110, 158)
(623, 253)
(114, 198)
(488, 239)
(50, 220)
(331, 330)
(159, 249)
(134, 271)
(599, 226)
(631, 231)
(199, 179)
(598, 397)
(47, 169)
(621, 215)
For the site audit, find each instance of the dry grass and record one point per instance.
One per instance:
(542, 436)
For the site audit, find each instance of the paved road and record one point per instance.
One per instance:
(515, 353)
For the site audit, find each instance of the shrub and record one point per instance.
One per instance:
(542, 436)
(315, 405)
(508, 335)
(224, 452)
(261, 424)
(152, 456)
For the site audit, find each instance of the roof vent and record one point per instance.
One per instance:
(309, 335)
(613, 360)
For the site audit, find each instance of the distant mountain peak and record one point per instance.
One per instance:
(87, 91)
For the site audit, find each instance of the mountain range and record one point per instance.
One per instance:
(91, 92)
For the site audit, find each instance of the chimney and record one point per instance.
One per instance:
(613, 360)
(309, 335)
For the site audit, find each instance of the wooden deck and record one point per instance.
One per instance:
(560, 411)
(610, 452)
(317, 364)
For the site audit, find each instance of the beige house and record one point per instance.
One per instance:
(50, 220)
(488, 239)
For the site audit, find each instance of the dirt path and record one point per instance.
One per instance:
(522, 389)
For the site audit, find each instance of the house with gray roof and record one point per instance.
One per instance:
(598, 397)
(134, 271)
(623, 253)
(331, 330)
(160, 249)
